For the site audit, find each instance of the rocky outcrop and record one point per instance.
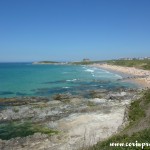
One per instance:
(79, 121)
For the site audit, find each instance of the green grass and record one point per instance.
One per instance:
(141, 137)
(85, 63)
(48, 62)
(138, 111)
(15, 129)
(143, 64)
(146, 97)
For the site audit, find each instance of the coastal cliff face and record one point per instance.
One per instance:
(63, 121)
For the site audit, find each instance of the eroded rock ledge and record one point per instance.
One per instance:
(64, 121)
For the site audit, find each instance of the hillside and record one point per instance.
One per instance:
(46, 62)
(142, 64)
(137, 130)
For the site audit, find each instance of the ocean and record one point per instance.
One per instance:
(26, 79)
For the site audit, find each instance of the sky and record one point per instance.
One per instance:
(70, 30)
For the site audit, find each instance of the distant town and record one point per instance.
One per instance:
(138, 58)
(88, 61)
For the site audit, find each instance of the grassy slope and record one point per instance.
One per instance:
(48, 62)
(137, 130)
(143, 64)
(86, 63)
(139, 114)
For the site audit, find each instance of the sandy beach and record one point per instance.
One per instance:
(139, 76)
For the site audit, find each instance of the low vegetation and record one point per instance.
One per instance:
(137, 130)
(91, 104)
(48, 62)
(85, 62)
(136, 111)
(142, 64)
(141, 137)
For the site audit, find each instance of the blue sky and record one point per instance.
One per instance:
(32, 30)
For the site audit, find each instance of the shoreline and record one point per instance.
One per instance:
(130, 74)
(79, 122)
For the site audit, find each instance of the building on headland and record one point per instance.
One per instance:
(125, 58)
(86, 60)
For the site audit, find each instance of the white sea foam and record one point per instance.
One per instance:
(66, 87)
(89, 70)
(71, 80)
(105, 71)
(118, 76)
(84, 67)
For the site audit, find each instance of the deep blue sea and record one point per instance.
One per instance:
(26, 79)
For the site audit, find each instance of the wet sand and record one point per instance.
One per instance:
(130, 74)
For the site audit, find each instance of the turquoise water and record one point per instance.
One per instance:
(25, 79)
